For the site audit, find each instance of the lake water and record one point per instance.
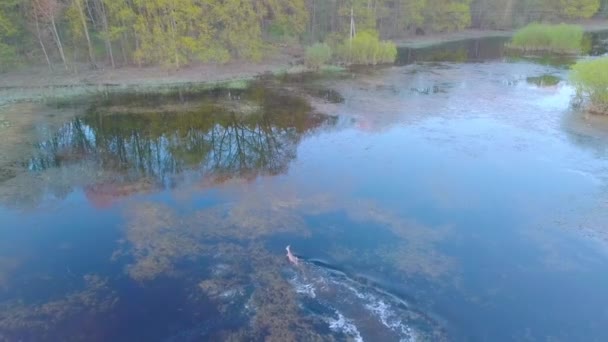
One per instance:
(434, 201)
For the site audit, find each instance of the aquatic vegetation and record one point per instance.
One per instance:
(227, 292)
(544, 80)
(249, 220)
(158, 239)
(66, 318)
(543, 38)
(590, 78)
(415, 260)
(354, 305)
(277, 314)
(317, 55)
(366, 49)
(416, 253)
(272, 310)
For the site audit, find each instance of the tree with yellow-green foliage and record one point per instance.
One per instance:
(173, 33)
(120, 16)
(285, 17)
(9, 30)
(79, 26)
(412, 12)
(578, 9)
(447, 15)
(241, 33)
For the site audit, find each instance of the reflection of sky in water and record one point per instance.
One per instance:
(467, 204)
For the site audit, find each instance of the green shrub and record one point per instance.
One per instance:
(317, 55)
(8, 57)
(366, 49)
(590, 78)
(563, 38)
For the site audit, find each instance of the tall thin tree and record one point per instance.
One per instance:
(85, 28)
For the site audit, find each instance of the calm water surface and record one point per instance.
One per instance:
(444, 201)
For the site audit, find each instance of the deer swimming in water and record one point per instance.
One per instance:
(292, 258)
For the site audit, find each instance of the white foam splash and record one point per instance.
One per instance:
(331, 291)
(352, 289)
(345, 326)
(390, 320)
(302, 287)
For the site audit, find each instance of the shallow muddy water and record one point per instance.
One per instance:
(429, 202)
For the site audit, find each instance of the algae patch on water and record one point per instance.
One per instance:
(60, 318)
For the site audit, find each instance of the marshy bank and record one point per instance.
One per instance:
(590, 78)
(37, 84)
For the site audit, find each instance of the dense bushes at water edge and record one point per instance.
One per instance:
(366, 49)
(363, 49)
(590, 78)
(317, 55)
(563, 38)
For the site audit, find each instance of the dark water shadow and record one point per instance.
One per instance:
(472, 50)
(493, 48)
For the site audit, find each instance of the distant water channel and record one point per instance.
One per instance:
(456, 197)
(492, 48)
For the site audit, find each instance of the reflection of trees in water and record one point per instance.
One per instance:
(219, 134)
(460, 51)
(208, 138)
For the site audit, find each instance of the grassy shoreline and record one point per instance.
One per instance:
(37, 84)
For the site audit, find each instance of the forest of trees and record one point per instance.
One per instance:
(173, 33)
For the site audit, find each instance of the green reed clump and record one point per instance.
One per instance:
(544, 38)
(590, 78)
(366, 49)
(317, 55)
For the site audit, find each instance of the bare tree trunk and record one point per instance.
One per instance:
(137, 48)
(90, 13)
(86, 31)
(104, 23)
(353, 31)
(174, 34)
(314, 21)
(46, 55)
(508, 14)
(58, 41)
(123, 50)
